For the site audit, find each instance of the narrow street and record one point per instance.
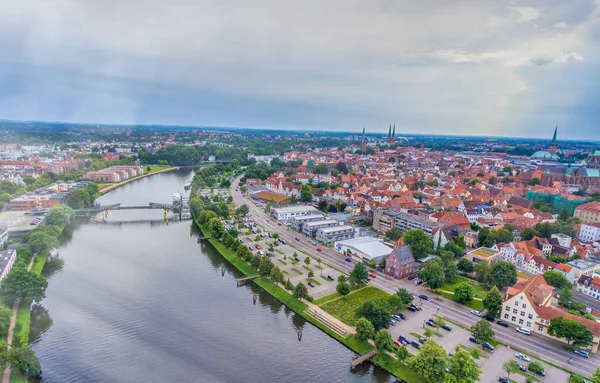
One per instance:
(534, 345)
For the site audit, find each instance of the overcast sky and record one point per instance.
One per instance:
(475, 67)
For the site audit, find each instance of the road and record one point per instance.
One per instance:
(535, 345)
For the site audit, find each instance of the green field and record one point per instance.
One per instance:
(475, 305)
(478, 291)
(344, 308)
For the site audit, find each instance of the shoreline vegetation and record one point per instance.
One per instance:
(156, 169)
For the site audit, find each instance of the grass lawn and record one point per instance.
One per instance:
(478, 291)
(307, 268)
(325, 278)
(326, 299)
(285, 272)
(280, 252)
(475, 305)
(396, 368)
(523, 275)
(313, 281)
(282, 261)
(344, 308)
(297, 271)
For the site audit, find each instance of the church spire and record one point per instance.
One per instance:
(554, 137)
(390, 132)
(394, 131)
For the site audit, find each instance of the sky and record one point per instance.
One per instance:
(465, 67)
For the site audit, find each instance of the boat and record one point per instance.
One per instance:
(187, 186)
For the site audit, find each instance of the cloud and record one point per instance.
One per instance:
(524, 14)
(561, 25)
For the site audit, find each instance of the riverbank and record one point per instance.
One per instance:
(387, 363)
(105, 188)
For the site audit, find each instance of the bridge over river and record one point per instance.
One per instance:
(92, 211)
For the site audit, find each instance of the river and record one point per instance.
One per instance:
(145, 302)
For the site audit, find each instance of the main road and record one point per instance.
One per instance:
(535, 345)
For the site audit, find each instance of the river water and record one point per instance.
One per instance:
(140, 301)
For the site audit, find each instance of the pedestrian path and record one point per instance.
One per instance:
(329, 320)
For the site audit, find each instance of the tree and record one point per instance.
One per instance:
(596, 375)
(432, 273)
(502, 274)
(451, 272)
(364, 330)
(482, 269)
(342, 288)
(510, 367)
(275, 235)
(528, 233)
(383, 341)
(378, 315)
(24, 360)
(320, 169)
(300, 291)
(420, 243)
(306, 193)
(342, 167)
(205, 216)
(307, 261)
(276, 275)
(5, 314)
(572, 331)
(534, 181)
(265, 267)
(24, 285)
(405, 296)
(463, 368)
(463, 292)
(242, 210)
(393, 234)
(39, 240)
(482, 331)
(564, 299)
(439, 322)
(535, 367)
(493, 302)
(359, 275)
(557, 279)
(465, 265)
(288, 285)
(430, 362)
(60, 215)
(402, 354)
(216, 227)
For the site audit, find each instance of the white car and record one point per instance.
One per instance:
(522, 356)
(475, 312)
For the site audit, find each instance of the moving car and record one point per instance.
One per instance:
(502, 323)
(525, 331)
(522, 356)
(348, 260)
(583, 353)
(371, 275)
(319, 249)
(475, 312)
(489, 317)
(424, 297)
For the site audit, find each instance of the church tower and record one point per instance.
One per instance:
(552, 147)
(363, 142)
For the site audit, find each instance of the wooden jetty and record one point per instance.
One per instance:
(241, 280)
(363, 358)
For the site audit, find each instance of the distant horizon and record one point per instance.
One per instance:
(291, 130)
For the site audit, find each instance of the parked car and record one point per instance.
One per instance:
(296, 238)
(319, 249)
(447, 328)
(297, 259)
(475, 312)
(311, 284)
(415, 344)
(402, 316)
(471, 339)
(503, 380)
(488, 346)
(583, 353)
(412, 277)
(422, 340)
(525, 331)
(330, 278)
(424, 297)
(489, 317)
(417, 308)
(524, 357)
(419, 282)
(412, 308)
(502, 323)
(250, 248)
(398, 344)
(371, 275)
(393, 321)
(430, 323)
(521, 367)
(348, 260)
(403, 339)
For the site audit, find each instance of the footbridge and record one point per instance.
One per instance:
(92, 211)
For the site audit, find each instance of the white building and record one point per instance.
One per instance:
(330, 235)
(3, 236)
(288, 212)
(310, 229)
(581, 267)
(7, 260)
(589, 286)
(590, 232)
(365, 248)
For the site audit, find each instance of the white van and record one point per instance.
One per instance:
(523, 330)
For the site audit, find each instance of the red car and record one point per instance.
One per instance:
(372, 275)
(319, 249)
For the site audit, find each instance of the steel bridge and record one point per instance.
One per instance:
(92, 211)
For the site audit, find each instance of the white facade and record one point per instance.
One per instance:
(287, 213)
(3, 236)
(7, 260)
(519, 311)
(589, 233)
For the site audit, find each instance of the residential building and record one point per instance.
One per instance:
(310, 229)
(589, 286)
(589, 232)
(7, 260)
(472, 239)
(529, 304)
(563, 239)
(483, 254)
(393, 219)
(588, 213)
(289, 212)
(3, 236)
(365, 248)
(401, 262)
(297, 223)
(329, 235)
(584, 267)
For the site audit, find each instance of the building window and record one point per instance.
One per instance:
(540, 328)
(516, 303)
(530, 316)
(507, 308)
(505, 316)
(524, 306)
(522, 313)
(515, 311)
(520, 321)
(514, 319)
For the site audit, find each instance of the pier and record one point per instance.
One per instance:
(363, 358)
(241, 280)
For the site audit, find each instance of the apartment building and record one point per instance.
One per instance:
(289, 212)
(588, 213)
(589, 286)
(310, 229)
(589, 232)
(328, 235)
(297, 223)
(393, 219)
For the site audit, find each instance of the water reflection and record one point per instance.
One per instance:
(40, 322)
(52, 266)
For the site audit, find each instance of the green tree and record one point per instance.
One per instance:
(482, 331)
(307, 261)
(564, 299)
(300, 291)
(557, 279)
(493, 302)
(502, 274)
(359, 275)
(535, 367)
(60, 215)
(216, 227)
(342, 288)
(463, 292)
(24, 360)
(364, 330)
(5, 314)
(24, 285)
(482, 269)
(288, 285)
(438, 322)
(405, 296)
(451, 272)
(510, 367)
(430, 362)
(376, 313)
(276, 275)
(572, 331)
(534, 181)
(39, 240)
(384, 341)
(432, 273)
(462, 368)
(420, 243)
(393, 234)
(465, 265)
(306, 194)
(402, 354)
(244, 189)
(275, 235)
(528, 233)
(265, 267)
(320, 169)
(242, 210)
(205, 216)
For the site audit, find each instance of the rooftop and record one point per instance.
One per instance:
(371, 247)
(483, 252)
(333, 229)
(294, 209)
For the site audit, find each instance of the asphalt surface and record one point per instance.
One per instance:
(535, 345)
